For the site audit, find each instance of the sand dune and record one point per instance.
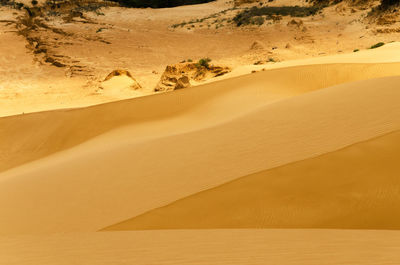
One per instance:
(100, 183)
(385, 54)
(180, 111)
(356, 187)
(240, 169)
(267, 247)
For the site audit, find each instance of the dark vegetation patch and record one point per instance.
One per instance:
(386, 9)
(256, 15)
(204, 62)
(387, 4)
(377, 45)
(384, 4)
(159, 3)
(328, 2)
(12, 4)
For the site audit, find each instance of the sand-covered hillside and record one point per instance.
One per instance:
(61, 54)
(260, 153)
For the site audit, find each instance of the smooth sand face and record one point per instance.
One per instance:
(204, 247)
(353, 188)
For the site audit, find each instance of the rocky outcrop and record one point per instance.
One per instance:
(178, 76)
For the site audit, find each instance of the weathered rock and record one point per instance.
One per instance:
(118, 73)
(257, 46)
(120, 79)
(178, 76)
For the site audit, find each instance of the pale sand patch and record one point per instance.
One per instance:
(385, 54)
(204, 247)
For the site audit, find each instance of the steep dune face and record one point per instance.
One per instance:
(181, 111)
(356, 187)
(115, 177)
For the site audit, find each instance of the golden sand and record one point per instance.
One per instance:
(212, 174)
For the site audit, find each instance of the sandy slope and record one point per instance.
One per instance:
(356, 187)
(266, 247)
(386, 54)
(324, 140)
(101, 182)
(177, 112)
(310, 143)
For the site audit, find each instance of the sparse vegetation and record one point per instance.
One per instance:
(253, 15)
(356, 50)
(325, 2)
(159, 3)
(207, 20)
(100, 30)
(204, 62)
(180, 24)
(39, 18)
(258, 21)
(12, 4)
(377, 45)
(386, 4)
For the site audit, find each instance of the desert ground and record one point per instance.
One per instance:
(120, 144)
